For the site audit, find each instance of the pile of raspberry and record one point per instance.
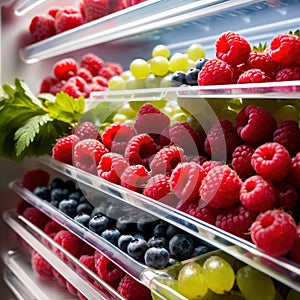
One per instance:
(237, 61)
(79, 78)
(62, 18)
(227, 177)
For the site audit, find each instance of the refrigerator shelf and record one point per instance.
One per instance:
(280, 269)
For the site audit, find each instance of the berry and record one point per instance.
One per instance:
(34, 178)
(199, 63)
(57, 87)
(99, 223)
(157, 257)
(294, 174)
(287, 196)
(52, 227)
(221, 187)
(91, 62)
(181, 246)
(87, 130)
(145, 224)
(68, 18)
(232, 48)
(35, 216)
(76, 87)
(112, 235)
(178, 78)
(294, 253)
(100, 80)
(255, 124)
(68, 207)
(65, 69)
(216, 71)
(47, 84)
(83, 219)
(111, 166)
(288, 73)
(116, 136)
(42, 27)
(158, 241)
(285, 48)
(272, 161)
(87, 154)
(89, 262)
(42, 192)
(85, 74)
(105, 74)
(94, 9)
(210, 164)
(68, 241)
(41, 266)
(116, 67)
(192, 76)
(137, 248)
(274, 232)
(253, 76)
(132, 289)
(140, 150)
(124, 240)
(126, 224)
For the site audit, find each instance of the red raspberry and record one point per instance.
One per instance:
(140, 149)
(221, 140)
(274, 232)
(116, 136)
(53, 11)
(285, 48)
(116, 67)
(91, 62)
(42, 27)
(132, 289)
(216, 71)
(41, 266)
(236, 220)
(288, 73)
(35, 216)
(272, 161)
(71, 288)
(106, 269)
(59, 278)
(94, 9)
(166, 159)
(22, 205)
(87, 130)
(199, 159)
(116, 5)
(95, 87)
(52, 227)
(254, 124)
(232, 48)
(186, 179)
(76, 87)
(111, 166)
(47, 84)
(65, 69)
(57, 87)
(68, 18)
(210, 164)
(257, 194)
(135, 178)
(294, 253)
(68, 241)
(253, 76)
(288, 135)
(150, 120)
(87, 154)
(34, 178)
(221, 187)
(100, 80)
(63, 148)
(287, 196)
(85, 74)
(241, 160)
(89, 262)
(107, 72)
(294, 174)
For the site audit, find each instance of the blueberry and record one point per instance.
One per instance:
(157, 257)
(68, 206)
(160, 229)
(56, 183)
(199, 250)
(192, 76)
(75, 195)
(83, 199)
(172, 230)
(112, 235)
(86, 208)
(181, 246)
(42, 192)
(124, 240)
(99, 223)
(114, 211)
(158, 241)
(137, 248)
(126, 224)
(83, 219)
(200, 63)
(59, 194)
(70, 185)
(146, 224)
(138, 235)
(178, 78)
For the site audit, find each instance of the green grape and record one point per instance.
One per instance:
(139, 68)
(159, 65)
(116, 83)
(227, 114)
(293, 295)
(167, 294)
(255, 285)
(195, 51)
(218, 274)
(286, 112)
(191, 283)
(179, 62)
(179, 117)
(152, 82)
(126, 74)
(127, 110)
(161, 50)
(119, 118)
(166, 81)
(133, 83)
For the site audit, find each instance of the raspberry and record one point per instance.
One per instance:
(135, 178)
(91, 62)
(68, 18)
(140, 149)
(241, 160)
(116, 5)
(94, 9)
(116, 136)
(87, 130)
(22, 205)
(157, 187)
(274, 232)
(41, 266)
(34, 178)
(288, 135)
(89, 262)
(294, 174)
(68, 241)
(65, 69)
(220, 188)
(53, 11)
(71, 288)
(107, 73)
(294, 253)
(42, 27)
(236, 220)
(210, 164)
(150, 120)
(186, 179)
(257, 194)
(287, 196)
(116, 67)
(59, 278)
(132, 289)
(288, 73)
(111, 166)
(85, 74)
(35, 216)
(254, 124)
(100, 80)
(57, 87)
(253, 76)
(76, 87)
(95, 87)
(63, 148)
(232, 48)
(216, 71)
(47, 84)
(106, 269)
(87, 154)
(166, 159)
(52, 227)
(272, 161)
(221, 140)
(285, 48)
